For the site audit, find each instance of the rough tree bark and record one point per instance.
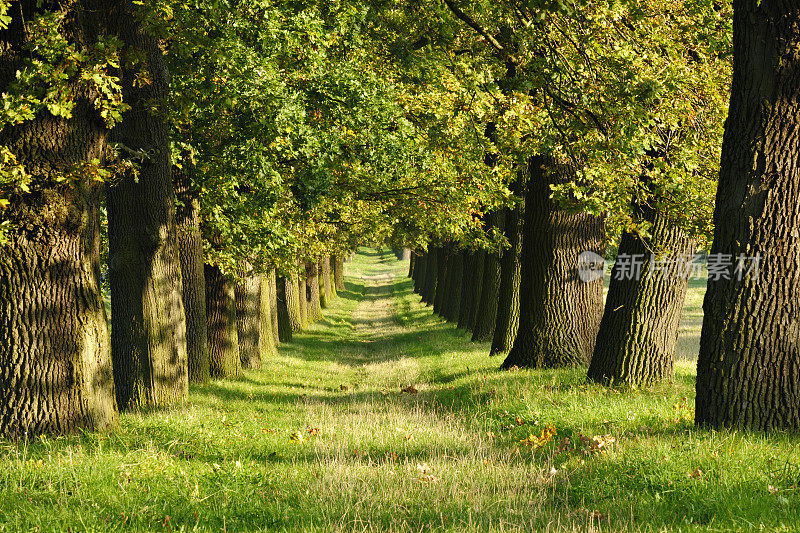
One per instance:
(284, 304)
(431, 276)
(338, 272)
(559, 313)
(476, 289)
(486, 313)
(272, 292)
(55, 360)
(302, 300)
(639, 331)
(455, 271)
(420, 271)
(190, 252)
(249, 294)
(148, 333)
(312, 291)
(507, 324)
(411, 260)
(268, 346)
(223, 336)
(441, 279)
(748, 372)
(324, 273)
(467, 286)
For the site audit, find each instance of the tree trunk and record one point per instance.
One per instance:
(285, 314)
(329, 278)
(507, 324)
(431, 276)
(249, 295)
(190, 252)
(748, 372)
(559, 313)
(338, 272)
(223, 337)
(476, 289)
(55, 360)
(420, 272)
(272, 291)
(441, 279)
(486, 314)
(467, 285)
(324, 270)
(148, 333)
(639, 331)
(268, 345)
(302, 300)
(312, 291)
(411, 260)
(455, 271)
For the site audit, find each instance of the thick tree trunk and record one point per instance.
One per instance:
(639, 331)
(272, 300)
(748, 372)
(507, 324)
(302, 300)
(285, 314)
(190, 252)
(55, 360)
(431, 276)
(223, 335)
(441, 279)
(324, 273)
(420, 272)
(268, 341)
(248, 295)
(467, 285)
(330, 283)
(312, 291)
(476, 289)
(411, 260)
(338, 272)
(148, 333)
(559, 313)
(486, 314)
(455, 271)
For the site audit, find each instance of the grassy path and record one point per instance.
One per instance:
(325, 438)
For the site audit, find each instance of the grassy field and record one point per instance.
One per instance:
(325, 438)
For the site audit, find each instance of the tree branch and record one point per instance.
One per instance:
(469, 21)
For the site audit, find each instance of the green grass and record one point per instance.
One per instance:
(372, 458)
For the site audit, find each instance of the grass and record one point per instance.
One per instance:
(323, 438)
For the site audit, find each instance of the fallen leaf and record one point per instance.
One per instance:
(409, 390)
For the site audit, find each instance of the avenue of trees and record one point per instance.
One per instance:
(209, 166)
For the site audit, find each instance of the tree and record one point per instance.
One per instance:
(638, 333)
(59, 379)
(747, 371)
(507, 322)
(486, 312)
(285, 313)
(559, 312)
(223, 336)
(190, 252)
(148, 322)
